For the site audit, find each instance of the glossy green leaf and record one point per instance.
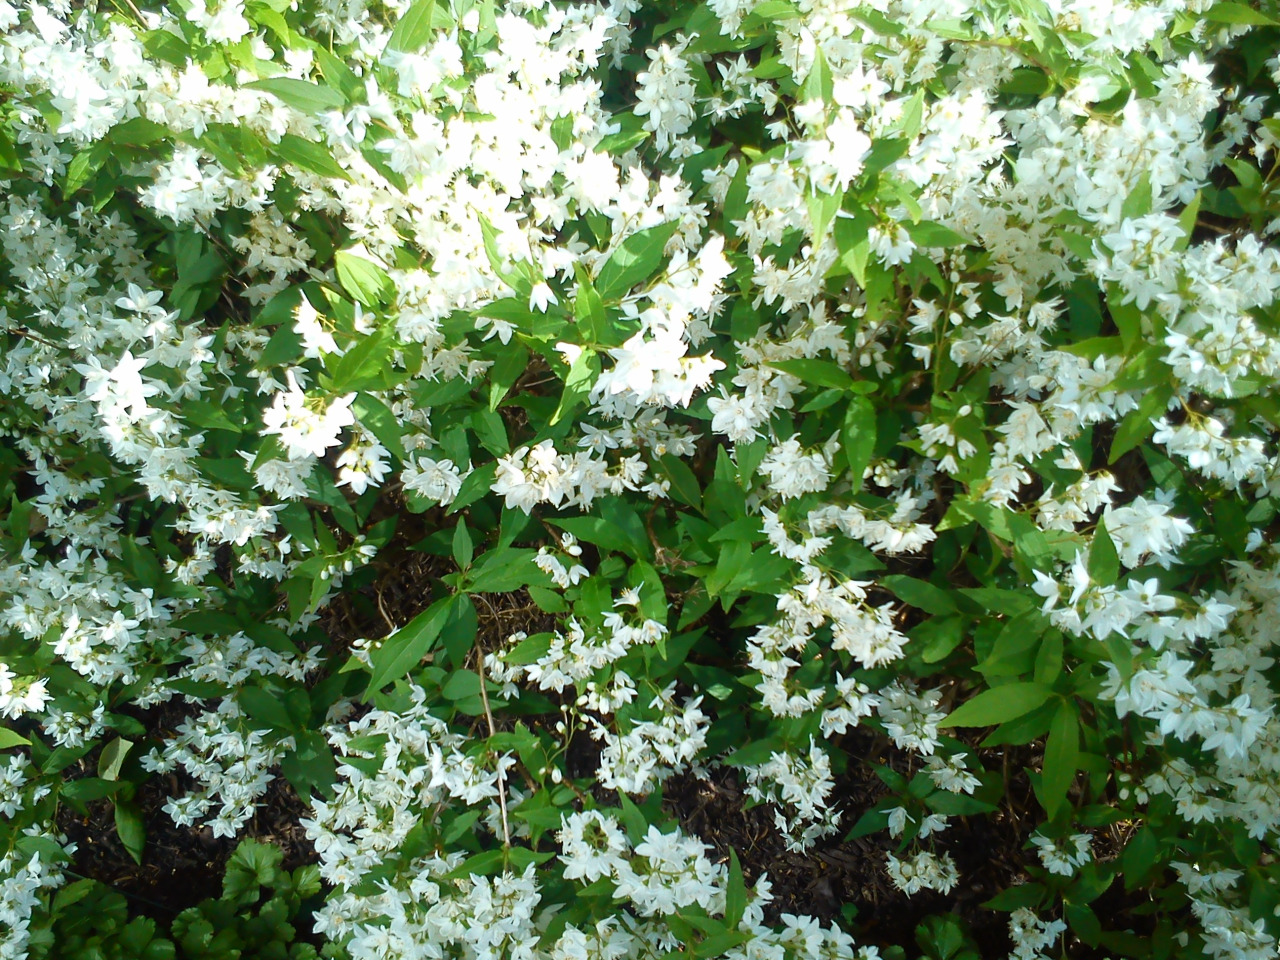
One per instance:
(302, 95)
(998, 705)
(404, 649)
(1060, 753)
(635, 260)
(363, 279)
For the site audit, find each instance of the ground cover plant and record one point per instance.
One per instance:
(633, 480)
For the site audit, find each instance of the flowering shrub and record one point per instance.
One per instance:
(804, 368)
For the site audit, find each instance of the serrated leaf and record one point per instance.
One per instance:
(998, 705)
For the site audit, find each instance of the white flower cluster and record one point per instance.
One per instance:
(1063, 857)
(23, 879)
(232, 765)
(1033, 936)
(865, 633)
(650, 751)
(800, 789)
(923, 871)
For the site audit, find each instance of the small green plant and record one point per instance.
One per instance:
(253, 919)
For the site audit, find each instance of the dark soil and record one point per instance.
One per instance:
(838, 873)
(181, 866)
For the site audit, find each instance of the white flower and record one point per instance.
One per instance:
(306, 427)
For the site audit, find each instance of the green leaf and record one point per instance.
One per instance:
(858, 437)
(1239, 13)
(617, 528)
(1137, 424)
(822, 210)
(310, 766)
(404, 649)
(363, 279)
(267, 710)
(635, 260)
(819, 84)
(998, 705)
(301, 94)
(10, 161)
(130, 829)
(1140, 858)
(459, 634)
(512, 361)
(684, 485)
(460, 686)
(1104, 562)
(10, 739)
(1060, 753)
(253, 865)
(89, 788)
(817, 372)
(309, 155)
(1014, 650)
(926, 233)
(84, 165)
(735, 900)
(939, 636)
(529, 650)
(588, 308)
(475, 486)
(112, 758)
(413, 30)
(284, 347)
(577, 385)
(362, 364)
(463, 549)
(920, 594)
(1083, 922)
(376, 417)
(503, 570)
